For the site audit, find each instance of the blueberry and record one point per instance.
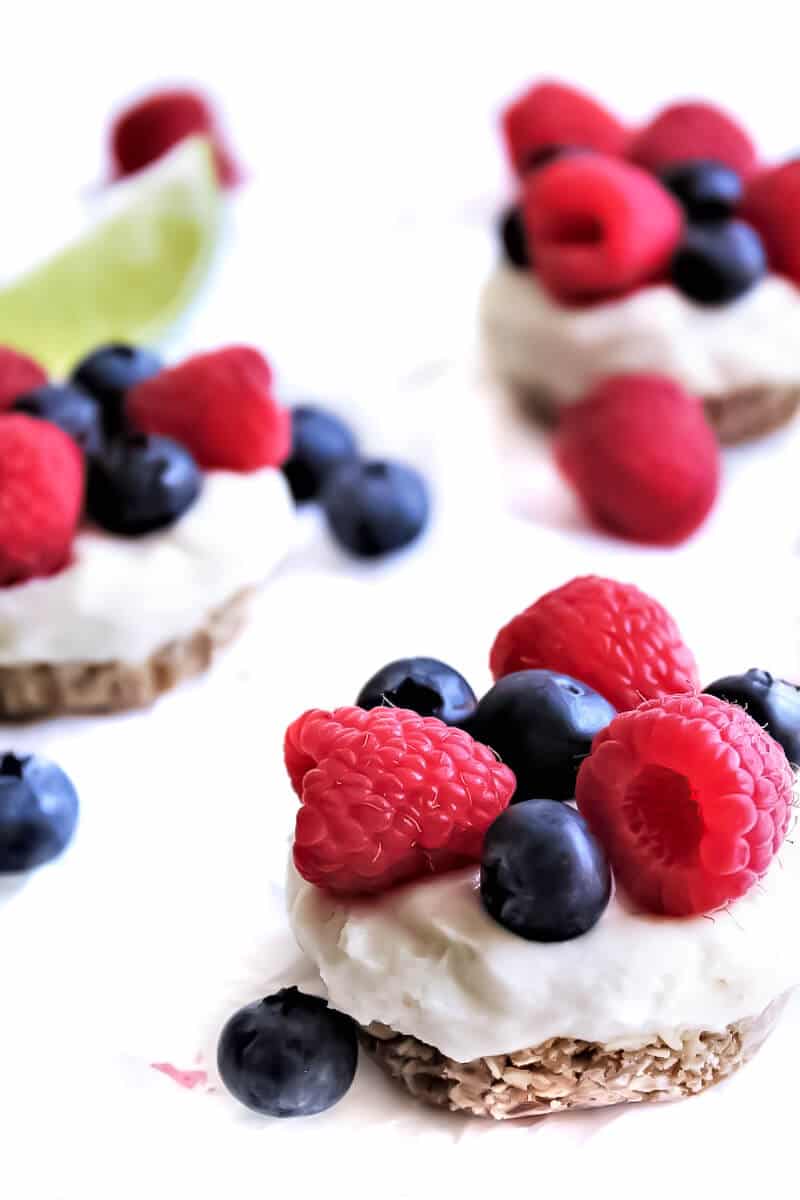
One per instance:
(38, 812)
(109, 372)
(375, 506)
(543, 875)
(70, 409)
(773, 703)
(541, 724)
(718, 262)
(512, 235)
(288, 1055)
(708, 191)
(424, 685)
(140, 484)
(320, 442)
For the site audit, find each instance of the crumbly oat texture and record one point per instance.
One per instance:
(31, 690)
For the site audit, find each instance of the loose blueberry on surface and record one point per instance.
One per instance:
(772, 703)
(512, 235)
(288, 1055)
(708, 191)
(424, 685)
(141, 483)
(375, 506)
(320, 442)
(543, 875)
(718, 262)
(72, 410)
(38, 812)
(109, 372)
(541, 724)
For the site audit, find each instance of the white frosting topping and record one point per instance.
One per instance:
(711, 350)
(123, 598)
(427, 960)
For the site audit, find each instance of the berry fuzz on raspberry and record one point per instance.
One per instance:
(693, 130)
(149, 128)
(773, 703)
(18, 375)
(772, 206)
(550, 115)
(690, 800)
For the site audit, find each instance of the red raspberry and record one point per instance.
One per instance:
(153, 125)
(18, 375)
(220, 406)
(772, 205)
(693, 129)
(553, 114)
(387, 796)
(642, 457)
(597, 226)
(607, 634)
(689, 798)
(41, 496)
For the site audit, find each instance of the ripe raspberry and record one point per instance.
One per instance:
(607, 634)
(147, 129)
(554, 114)
(772, 206)
(689, 798)
(387, 796)
(693, 130)
(642, 457)
(18, 375)
(218, 405)
(597, 226)
(41, 495)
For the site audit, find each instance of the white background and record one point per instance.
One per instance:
(355, 258)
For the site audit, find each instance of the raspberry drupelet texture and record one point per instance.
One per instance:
(387, 796)
(610, 635)
(692, 130)
(690, 799)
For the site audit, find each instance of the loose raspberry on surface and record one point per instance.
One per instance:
(41, 496)
(772, 205)
(609, 635)
(642, 457)
(553, 114)
(598, 227)
(690, 799)
(18, 375)
(220, 406)
(150, 127)
(693, 130)
(387, 796)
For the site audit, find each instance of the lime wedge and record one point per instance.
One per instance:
(131, 274)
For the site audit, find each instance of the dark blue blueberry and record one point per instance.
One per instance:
(70, 409)
(38, 812)
(374, 507)
(512, 235)
(773, 703)
(543, 875)
(320, 442)
(424, 685)
(109, 372)
(708, 191)
(718, 262)
(288, 1055)
(141, 483)
(541, 724)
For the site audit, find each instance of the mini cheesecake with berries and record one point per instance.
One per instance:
(669, 249)
(140, 506)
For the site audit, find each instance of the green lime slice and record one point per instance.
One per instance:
(131, 274)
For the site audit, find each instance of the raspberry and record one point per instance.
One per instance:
(642, 457)
(693, 130)
(690, 799)
(387, 796)
(147, 129)
(597, 226)
(41, 494)
(18, 375)
(218, 405)
(772, 205)
(553, 114)
(609, 635)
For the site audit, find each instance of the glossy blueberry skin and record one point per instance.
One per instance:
(707, 190)
(719, 261)
(424, 685)
(140, 484)
(772, 703)
(543, 875)
(71, 409)
(320, 442)
(288, 1055)
(374, 507)
(514, 239)
(108, 374)
(541, 724)
(38, 812)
